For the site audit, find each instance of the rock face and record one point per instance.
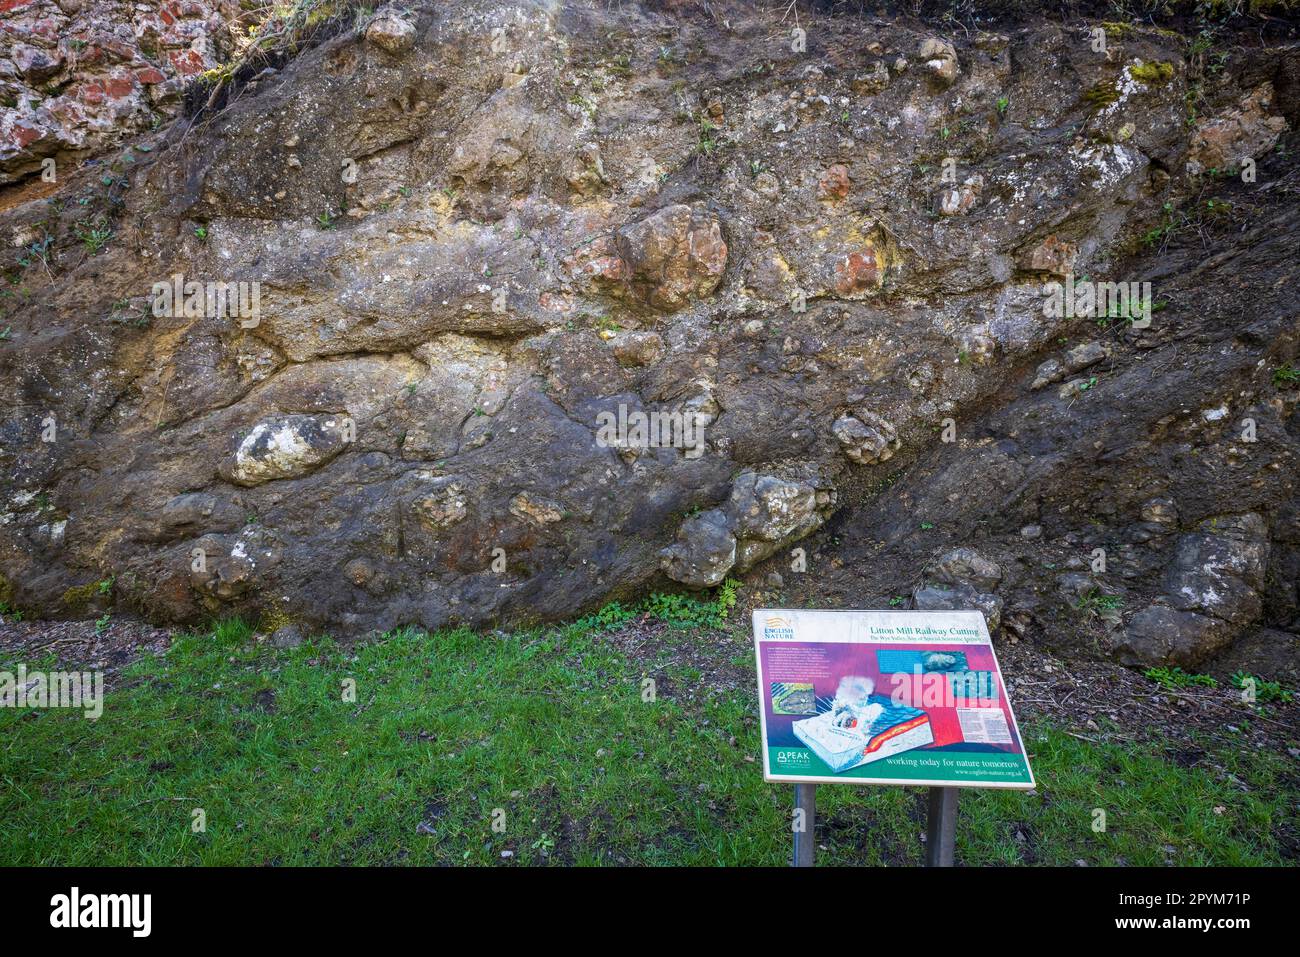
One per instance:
(963, 579)
(491, 313)
(75, 77)
(1213, 589)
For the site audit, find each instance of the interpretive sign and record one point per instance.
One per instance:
(885, 697)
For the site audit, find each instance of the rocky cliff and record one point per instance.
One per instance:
(490, 311)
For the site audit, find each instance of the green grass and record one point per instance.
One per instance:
(550, 726)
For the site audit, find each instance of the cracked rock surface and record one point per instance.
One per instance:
(480, 230)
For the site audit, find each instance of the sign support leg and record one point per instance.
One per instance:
(805, 800)
(941, 830)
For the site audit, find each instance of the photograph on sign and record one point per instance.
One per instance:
(884, 697)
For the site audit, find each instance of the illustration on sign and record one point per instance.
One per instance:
(885, 697)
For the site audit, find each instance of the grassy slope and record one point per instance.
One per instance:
(552, 728)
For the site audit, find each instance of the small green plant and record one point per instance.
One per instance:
(1174, 678)
(12, 613)
(101, 624)
(201, 233)
(1003, 103)
(898, 601)
(1286, 374)
(37, 252)
(688, 612)
(926, 526)
(7, 334)
(706, 144)
(326, 219)
(1265, 691)
(1096, 601)
(105, 586)
(94, 235)
(680, 611)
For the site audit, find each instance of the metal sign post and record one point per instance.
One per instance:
(805, 845)
(941, 828)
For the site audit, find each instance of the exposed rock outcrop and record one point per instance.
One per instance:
(566, 302)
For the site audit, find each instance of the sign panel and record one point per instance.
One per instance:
(885, 697)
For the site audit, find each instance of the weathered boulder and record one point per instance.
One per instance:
(867, 438)
(674, 255)
(939, 59)
(966, 566)
(960, 598)
(763, 514)
(1212, 591)
(285, 447)
(287, 636)
(1218, 570)
(637, 348)
(1246, 132)
(704, 552)
(962, 579)
(391, 32)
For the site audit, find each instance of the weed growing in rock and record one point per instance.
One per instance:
(37, 252)
(1096, 601)
(1286, 374)
(94, 235)
(706, 144)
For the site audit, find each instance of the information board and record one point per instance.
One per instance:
(885, 697)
